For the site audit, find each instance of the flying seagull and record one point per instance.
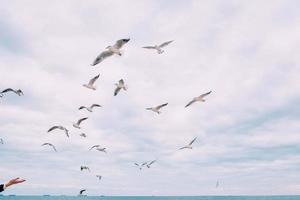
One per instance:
(101, 149)
(49, 144)
(77, 124)
(90, 109)
(157, 108)
(199, 98)
(60, 128)
(150, 163)
(141, 165)
(99, 177)
(189, 146)
(1, 141)
(82, 191)
(95, 146)
(158, 48)
(85, 168)
(111, 50)
(120, 85)
(18, 92)
(83, 135)
(91, 83)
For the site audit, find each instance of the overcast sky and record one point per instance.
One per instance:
(246, 52)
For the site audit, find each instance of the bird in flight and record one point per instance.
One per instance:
(157, 108)
(84, 168)
(91, 83)
(60, 128)
(90, 109)
(199, 98)
(82, 191)
(150, 163)
(158, 48)
(18, 92)
(77, 124)
(141, 165)
(111, 50)
(83, 135)
(189, 146)
(120, 85)
(51, 145)
(99, 177)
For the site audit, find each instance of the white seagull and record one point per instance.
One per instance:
(49, 144)
(90, 109)
(189, 146)
(158, 48)
(150, 163)
(83, 135)
(85, 168)
(141, 165)
(157, 108)
(18, 92)
(99, 177)
(91, 83)
(77, 124)
(199, 98)
(60, 128)
(111, 50)
(120, 85)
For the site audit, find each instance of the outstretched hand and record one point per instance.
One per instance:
(14, 181)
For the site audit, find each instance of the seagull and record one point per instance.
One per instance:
(141, 165)
(101, 149)
(91, 83)
(90, 109)
(18, 92)
(120, 85)
(99, 177)
(51, 145)
(189, 146)
(77, 124)
(85, 168)
(95, 146)
(158, 48)
(199, 98)
(149, 164)
(82, 191)
(61, 128)
(157, 108)
(1, 141)
(111, 50)
(83, 135)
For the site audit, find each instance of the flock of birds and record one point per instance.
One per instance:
(120, 85)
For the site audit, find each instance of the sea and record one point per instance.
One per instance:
(150, 197)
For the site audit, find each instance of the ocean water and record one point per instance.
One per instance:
(150, 198)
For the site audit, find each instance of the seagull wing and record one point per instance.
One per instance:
(102, 56)
(165, 43)
(120, 43)
(95, 105)
(8, 90)
(82, 191)
(153, 161)
(81, 107)
(121, 82)
(136, 164)
(97, 145)
(117, 90)
(52, 128)
(190, 103)
(149, 47)
(81, 120)
(93, 80)
(193, 141)
(203, 95)
(162, 105)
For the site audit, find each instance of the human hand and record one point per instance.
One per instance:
(14, 181)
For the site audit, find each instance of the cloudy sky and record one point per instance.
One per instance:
(246, 52)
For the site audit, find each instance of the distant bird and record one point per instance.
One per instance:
(18, 92)
(60, 128)
(83, 135)
(189, 146)
(1, 141)
(158, 48)
(99, 177)
(77, 124)
(85, 168)
(90, 109)
(217, 184)
(199, 98)
(141, 165)
(95, 146)
(120, 85)
(149, 164)
(111, 50)
(49, 144)
(157, 108)
(91, 83)
(82, 191)
(101, 149)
